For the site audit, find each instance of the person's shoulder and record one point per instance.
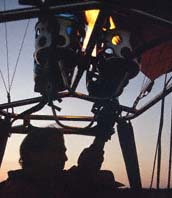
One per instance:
(2, 184)
(17, 186)
(13, 176)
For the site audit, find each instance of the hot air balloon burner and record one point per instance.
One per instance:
(113, 67)
(58, 41)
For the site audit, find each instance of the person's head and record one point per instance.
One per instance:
(43, 150)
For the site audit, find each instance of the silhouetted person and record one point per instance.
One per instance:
(42, 157)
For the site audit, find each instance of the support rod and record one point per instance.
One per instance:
(20, 129)
(150, 103)
(21, 103)
(151, 17)
(60, 117)
(134, 112)
(62, 95)
(34, 12)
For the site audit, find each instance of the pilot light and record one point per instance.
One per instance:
(116, 40)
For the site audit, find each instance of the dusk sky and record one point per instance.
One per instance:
(145, 126)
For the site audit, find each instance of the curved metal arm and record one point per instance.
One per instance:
(133, 112)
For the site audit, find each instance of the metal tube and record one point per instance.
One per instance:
(96, 31)
(20, 129)
(34, 12)
(61, 95)
(140, 15)
(20, 103)
(19, 14)
(151, 17)
(150, 103)
(90, 46)
(135, 112)
(61, 117)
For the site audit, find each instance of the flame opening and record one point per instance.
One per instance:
(112, 24)
(91, 16)
(116, 40)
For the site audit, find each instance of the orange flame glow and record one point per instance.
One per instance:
(116, 39)
(91, 16)
(112, 24)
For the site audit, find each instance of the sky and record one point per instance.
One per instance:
(145, 126)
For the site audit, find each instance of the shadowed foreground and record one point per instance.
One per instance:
(125, 193)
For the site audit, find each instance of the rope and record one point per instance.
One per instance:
(169, 80)
(159, 135)
(20, 50)
(6, 43)
(144, 91)
(170, 156)
(10, 83)
(158, 145)
(147, 88)
(143, 84)
(8, 88)
(3, 81)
